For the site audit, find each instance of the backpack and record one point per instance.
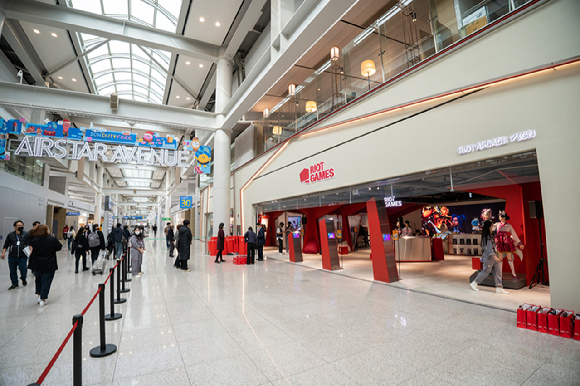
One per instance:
(69, 234)
(94, 240)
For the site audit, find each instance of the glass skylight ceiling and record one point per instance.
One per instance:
(131, 72)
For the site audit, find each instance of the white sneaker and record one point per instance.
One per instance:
(500, 290)
(38, 300)
(474, 286)
(41, 303)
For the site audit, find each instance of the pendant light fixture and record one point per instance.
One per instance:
(334, 53)
(266, 113)
(277, 130)
(311, 106)
(291, 89)
(367, 68)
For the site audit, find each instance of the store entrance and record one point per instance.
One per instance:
(437, 224)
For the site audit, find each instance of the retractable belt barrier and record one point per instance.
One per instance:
(103, 349)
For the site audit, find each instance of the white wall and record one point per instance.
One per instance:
(244, 147)
(260, 47)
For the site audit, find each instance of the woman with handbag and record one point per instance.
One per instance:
(137, 249)
(490, 260)
(43, 260)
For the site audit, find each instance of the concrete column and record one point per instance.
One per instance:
(59, 184)
(281, 11)
(46, 177)
(223, 91)
(99, 197)
(2, 19)
(221, 179)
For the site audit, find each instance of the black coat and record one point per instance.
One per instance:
(16, 249)
(170, 235)
(43, 256)
(117, 235)
(261, 237)
(220, 240)
(185, 238)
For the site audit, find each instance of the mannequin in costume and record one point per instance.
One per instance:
(507, 241)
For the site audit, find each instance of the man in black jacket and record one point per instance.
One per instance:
(185, 239)
(171, 238)
(117, 235)
(96, 248)
(15, 243)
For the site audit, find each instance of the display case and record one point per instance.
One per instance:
(464, 244)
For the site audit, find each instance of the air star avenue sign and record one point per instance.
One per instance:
(316, 173)
(62, 148)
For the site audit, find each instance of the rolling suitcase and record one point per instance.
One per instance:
(99, 265)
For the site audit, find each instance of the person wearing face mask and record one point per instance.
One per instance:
(137, 249)
(17, 260)
(80, 247)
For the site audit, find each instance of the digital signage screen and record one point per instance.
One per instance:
(387, 237)
(296, 235)
(331, 235)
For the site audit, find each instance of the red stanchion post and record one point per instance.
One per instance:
(78, 351)
(113, 315)
(104, 349)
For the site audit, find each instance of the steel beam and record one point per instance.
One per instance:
(135, 191)
(252, 13)
(70, 61)
(19, 45)
(108, 27)
(133, 167)
(96, 106)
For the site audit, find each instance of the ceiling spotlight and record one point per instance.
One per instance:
(54, 35)
(413, 16)
(36, 31)
(201, 19)
(60, 77)
(188, 98)
(217, 24)
(74, 80)
(188, 63)
(200, 65)
(177, 96)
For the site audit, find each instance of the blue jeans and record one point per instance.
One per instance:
(70, 240)
(118, 250)
(43, 282)
(168, 243)
(17, 263)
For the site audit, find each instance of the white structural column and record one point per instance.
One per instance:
(281, 11)
(168, 197)
(222, 141)
(99, 198)
(223, 88)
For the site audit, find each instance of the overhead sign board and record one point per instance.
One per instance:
(73, 213)
(316, 173)
(165, 218)
(185, 202)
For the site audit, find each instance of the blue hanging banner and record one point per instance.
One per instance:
(151, 139)
(203, 157)
(185, 202)
(103, 135)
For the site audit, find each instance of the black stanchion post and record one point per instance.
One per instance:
(124, 278)
(104, 349)
(113, 315)
(129, 262)
(78, 351)
(119, 299)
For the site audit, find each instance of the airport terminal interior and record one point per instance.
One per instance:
(289, 192)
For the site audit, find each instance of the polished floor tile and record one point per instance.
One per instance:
(273, 323)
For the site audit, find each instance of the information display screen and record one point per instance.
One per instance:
(296, 235)
(387, 237)
(331, 235)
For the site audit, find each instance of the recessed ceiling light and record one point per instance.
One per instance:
(188, 63)
(36, 31)
(188, 98)
(217, 24)
(74, 80)
(60, 77)
(201, 19)
(200, 65)
(177, 96)
(54, 35)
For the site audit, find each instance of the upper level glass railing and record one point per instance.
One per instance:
(408, 33)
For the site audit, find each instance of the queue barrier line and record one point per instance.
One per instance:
(74, 327)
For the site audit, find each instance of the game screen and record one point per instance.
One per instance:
(296, 222)
(387, 237)
(331, 235)
(438, 221)
(296, 235)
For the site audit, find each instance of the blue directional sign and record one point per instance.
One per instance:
(73, 213)
(185, 202)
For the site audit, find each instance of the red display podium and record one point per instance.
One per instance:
(295, 247)
(383, 253)
(328, 245)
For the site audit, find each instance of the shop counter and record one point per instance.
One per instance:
(464, 244)
(413, 248)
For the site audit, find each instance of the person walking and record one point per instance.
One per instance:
(96, 242)
(490, 261)
(15, 243)
(177, 263)
(154, 228)
(117, 239)
(250, 238)
(261, 241)
(43, 260)
(80, 247)
(126, 238)
(171, 238)
(65, 232)
(185, 239)
(280, 237)
(221, 239)
(166, 230)
(137, 249)
(69, 238)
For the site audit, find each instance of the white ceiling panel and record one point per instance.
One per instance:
(212, 11)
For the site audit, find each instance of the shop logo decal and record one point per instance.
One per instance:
(316, 173)
(497, 142)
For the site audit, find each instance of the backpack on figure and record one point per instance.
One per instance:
(94, 240)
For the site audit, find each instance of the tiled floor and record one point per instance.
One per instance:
(448, 278)
(273, 323)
